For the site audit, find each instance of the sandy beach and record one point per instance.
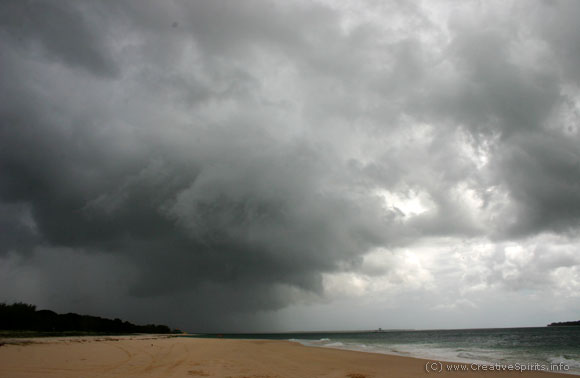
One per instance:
(161, 356)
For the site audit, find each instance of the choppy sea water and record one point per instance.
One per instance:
(543, 345)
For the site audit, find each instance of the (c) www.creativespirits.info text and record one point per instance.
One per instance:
(442, 367)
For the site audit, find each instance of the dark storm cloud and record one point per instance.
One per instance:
(18, 231)
(201, 160)
(224, 214)
(561, 36)
(535, 157)
(507, 85)
(59, 30)
(542, 171)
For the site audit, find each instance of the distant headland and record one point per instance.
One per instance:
(565, 324)
(25, 318)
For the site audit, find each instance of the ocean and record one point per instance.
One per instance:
(547, 346)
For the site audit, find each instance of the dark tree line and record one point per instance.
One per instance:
(25, 317)
(565, 324)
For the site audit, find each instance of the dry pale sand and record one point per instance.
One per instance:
(83, 357)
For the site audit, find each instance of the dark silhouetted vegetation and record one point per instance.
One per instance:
(25, 317)
(565, 324)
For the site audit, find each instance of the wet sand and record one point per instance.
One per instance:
(161, 356)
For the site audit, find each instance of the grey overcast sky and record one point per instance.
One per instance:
(292, 165)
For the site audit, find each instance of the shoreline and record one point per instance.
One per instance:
(526, 366)
(556, 360)
(432, 357)
(175, 356)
